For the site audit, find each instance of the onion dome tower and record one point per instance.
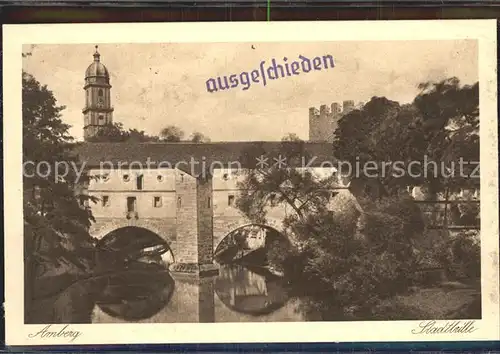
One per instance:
(98, 111)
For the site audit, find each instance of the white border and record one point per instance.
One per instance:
(17, 35)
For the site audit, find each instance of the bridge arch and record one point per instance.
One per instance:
(135, 239)
(103, 228)
(250, 236)
(223, 226)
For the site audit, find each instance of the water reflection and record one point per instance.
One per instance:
(245, 291)
(138, 293)
(236, 294)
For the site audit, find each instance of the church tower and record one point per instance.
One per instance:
(97, 111)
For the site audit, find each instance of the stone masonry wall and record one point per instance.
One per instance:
(205, 221)
(187, 218)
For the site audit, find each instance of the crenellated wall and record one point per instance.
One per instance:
(323, 122)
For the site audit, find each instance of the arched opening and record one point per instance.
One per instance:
(250, 277)
(254, 243)
(137, 283)
(134, 244)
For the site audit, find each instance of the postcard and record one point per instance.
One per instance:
(251, 182)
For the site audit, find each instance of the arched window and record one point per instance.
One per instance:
(100, 93)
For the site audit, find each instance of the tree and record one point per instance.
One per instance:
(338, 270)
(141, 136)
(110, 133)
(198, 137)
(172, 134)
(117, 134)
(291, 137)
(56, 220)
(449, 124)
(440, 125)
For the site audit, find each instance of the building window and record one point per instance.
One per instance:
(100, 93)
(159, 178)
(209, 202)
(131, 204)
(126, 178)
(105, 177)
(272, 198)
(139, 182)
(157, 202)
(230, 200)
(101, 117)
(179, 202)
(225, 177)
(105, 201)
(182, 177)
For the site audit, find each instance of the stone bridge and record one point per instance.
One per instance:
(195, 231)
(190, 209)
(223, 223)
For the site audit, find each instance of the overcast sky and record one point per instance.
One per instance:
(155, 85)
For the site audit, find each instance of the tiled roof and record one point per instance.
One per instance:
(245, 153)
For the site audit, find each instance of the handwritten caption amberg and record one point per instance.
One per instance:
(431, 327)
(47, 332)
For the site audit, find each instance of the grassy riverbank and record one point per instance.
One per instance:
(448, 300)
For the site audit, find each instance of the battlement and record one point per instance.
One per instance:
(335, 109)
(323, 122)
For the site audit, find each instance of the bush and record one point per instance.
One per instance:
(466, 255)
(459, 255)
(341, 271)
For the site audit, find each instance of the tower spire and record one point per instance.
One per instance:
(97, 56)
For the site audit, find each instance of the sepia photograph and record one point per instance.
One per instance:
(254, 181)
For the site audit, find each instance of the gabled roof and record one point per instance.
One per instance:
(200, 155)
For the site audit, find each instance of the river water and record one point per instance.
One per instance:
(237, 294)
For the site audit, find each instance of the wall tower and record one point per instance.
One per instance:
(323, 123)
(97, 111)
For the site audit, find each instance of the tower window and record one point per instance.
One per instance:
(105, 200)
(230, 200)
(209, 202)
(131, 203)
(139, 182)
(179, 202)
(101, 117)
(100, 93)
(157, 202)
